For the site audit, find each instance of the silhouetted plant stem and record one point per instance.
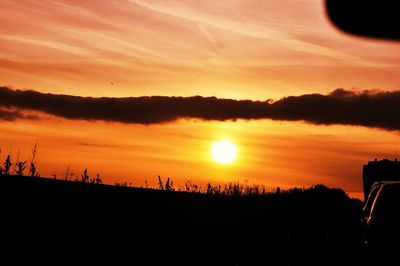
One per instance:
(85, 176)
(32, 168)
(7, 165)
(160, 183)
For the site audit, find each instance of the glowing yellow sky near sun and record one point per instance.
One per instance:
(269, 153)
(223, 151)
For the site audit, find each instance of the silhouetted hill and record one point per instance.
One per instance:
(55, 222)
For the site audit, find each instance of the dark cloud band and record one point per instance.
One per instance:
(371, 109)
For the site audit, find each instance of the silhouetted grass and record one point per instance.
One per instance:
(81, 221)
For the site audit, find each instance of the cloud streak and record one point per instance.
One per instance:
(377, 109)
(12, 114)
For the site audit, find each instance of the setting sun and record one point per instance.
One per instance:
(223, 151)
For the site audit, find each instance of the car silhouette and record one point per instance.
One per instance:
(366, 211)
(381, 224)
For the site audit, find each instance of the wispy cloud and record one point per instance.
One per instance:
(160, 47)
(12, 114)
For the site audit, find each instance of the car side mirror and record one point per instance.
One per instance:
(374, 18)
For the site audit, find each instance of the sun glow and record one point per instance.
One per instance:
(223, 152)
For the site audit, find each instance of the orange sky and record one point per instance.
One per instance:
(245, 49)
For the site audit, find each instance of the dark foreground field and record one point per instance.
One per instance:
(54, 222)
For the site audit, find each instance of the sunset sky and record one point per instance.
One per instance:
(254, 50)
